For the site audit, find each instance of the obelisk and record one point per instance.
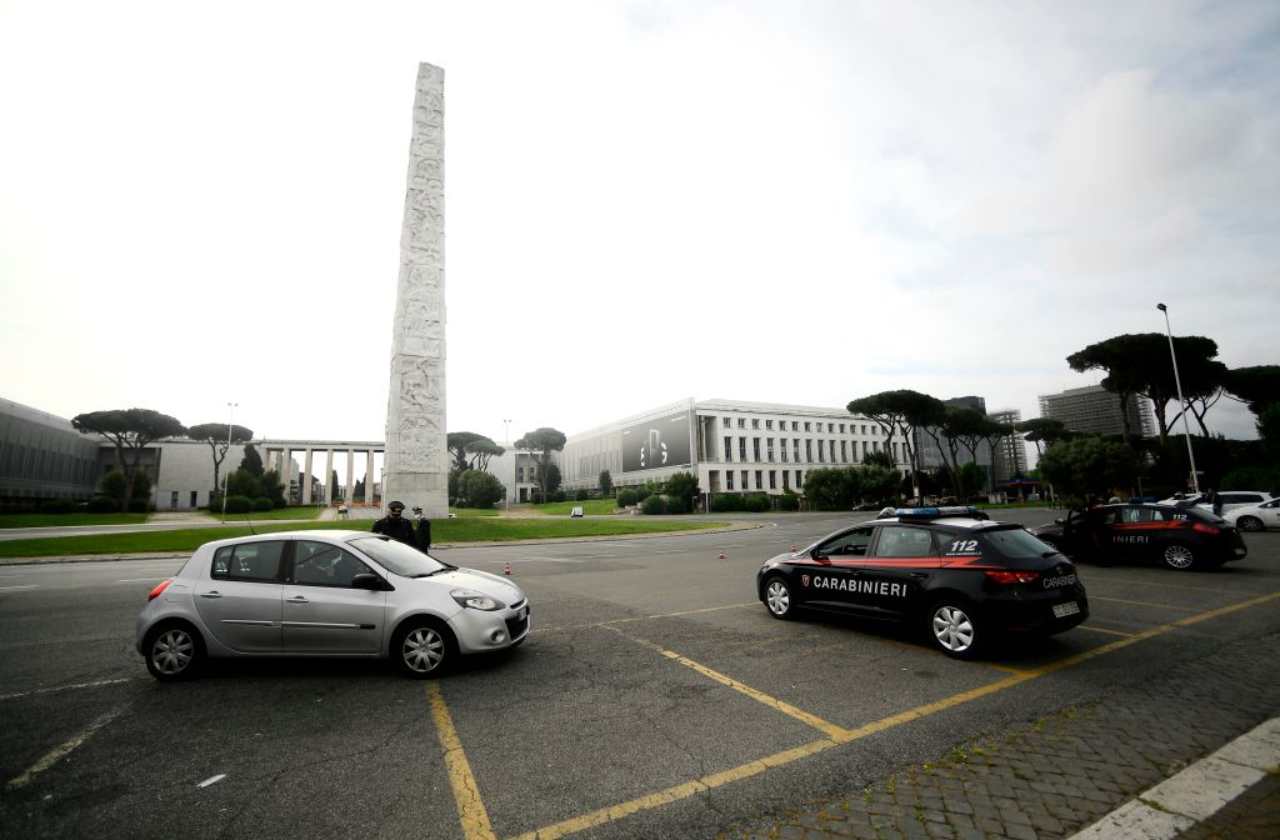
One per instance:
(416, 468)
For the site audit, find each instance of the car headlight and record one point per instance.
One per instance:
(476, 600)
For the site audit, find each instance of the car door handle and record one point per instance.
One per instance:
(213, 594)
(297, 599)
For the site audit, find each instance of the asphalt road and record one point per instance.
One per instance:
(655, 697)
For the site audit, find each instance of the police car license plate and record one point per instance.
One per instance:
(1064, 610)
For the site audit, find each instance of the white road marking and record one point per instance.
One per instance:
(20, 694)
(62, 750)
(141, 580)
(1198, 792)
(212, 780)
(12, 588)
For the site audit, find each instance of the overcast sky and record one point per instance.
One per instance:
(784, 202)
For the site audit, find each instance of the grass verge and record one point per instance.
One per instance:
(591, 507)
(478, 529)
(293, 512)
(471, 513)
(67, 520)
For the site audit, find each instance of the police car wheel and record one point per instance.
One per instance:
(954, 629)
(777, 597)
(1250, 523)
(1179, 557)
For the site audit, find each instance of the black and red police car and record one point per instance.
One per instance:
(1180, 536)
(964, 579)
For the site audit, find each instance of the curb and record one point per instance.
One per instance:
(1197, 793)
(157, 555)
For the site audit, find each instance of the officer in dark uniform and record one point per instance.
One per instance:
(394, 525)
(424, 531)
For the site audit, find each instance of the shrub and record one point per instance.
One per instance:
(139, 506)
(101, 504)
(1253, 478)
(239, 504)
(788, 501)
(481, 489)
(642, 492)
(627, 497)
(582, 495)
(57, 506)
(654, 504)
(756, 502)
(726, 502)
(262, 503)
(677, 504)
(557, 496)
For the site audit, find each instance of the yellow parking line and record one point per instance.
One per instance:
(751, 768)
(471, 810)
(1102, 630)
(825, 727)
(1142, 603)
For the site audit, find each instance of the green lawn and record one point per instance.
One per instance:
(294, 512)
(467, 529)
(591, 507)
(66, 520)
(468, 513)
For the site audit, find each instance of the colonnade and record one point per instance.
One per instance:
(282, 453)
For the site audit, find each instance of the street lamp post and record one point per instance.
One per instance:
(1186, 427)
(506, 434)
(231, 413)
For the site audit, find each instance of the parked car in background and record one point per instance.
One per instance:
(1223, 503)
(1255, 517)
(1178, 536)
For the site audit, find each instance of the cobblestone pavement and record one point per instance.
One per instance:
(1063, 772)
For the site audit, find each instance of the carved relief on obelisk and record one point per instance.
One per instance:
(416, 470)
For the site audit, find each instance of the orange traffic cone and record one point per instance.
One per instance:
(722, 556)
(506, 569)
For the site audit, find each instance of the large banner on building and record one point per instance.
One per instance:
(661, 442)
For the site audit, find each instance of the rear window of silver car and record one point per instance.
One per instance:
(399, 558)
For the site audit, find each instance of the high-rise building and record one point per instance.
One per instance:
(1010, 456)
(1095, 410)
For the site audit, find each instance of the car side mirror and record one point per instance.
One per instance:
(1059, 522)
(365, 580)
(817, 555)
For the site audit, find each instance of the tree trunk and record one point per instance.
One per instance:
(1124, 418)
(1160, 408)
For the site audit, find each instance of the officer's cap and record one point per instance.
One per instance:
(396, 506)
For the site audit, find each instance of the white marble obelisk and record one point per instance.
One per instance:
(416, 470)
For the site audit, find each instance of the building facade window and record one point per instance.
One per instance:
(759, 479)
(799, 479)
(769, 445)
(773, 479)
(786, 479)
(768, 424)
(782, 447)
(728, 449)
(843, 455)
(796, 449)
(808, 451)
(755, 422)
(807, 425)
(746, 480)
(755, 448)
(742, 423)
(728, 479)
(742, 449)
(726, 422)
(713, 478)
(795, 426)
(822, 457)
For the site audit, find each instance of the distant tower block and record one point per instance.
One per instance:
(416, 470)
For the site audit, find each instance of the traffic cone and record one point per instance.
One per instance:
(722, 556)
(506, 569)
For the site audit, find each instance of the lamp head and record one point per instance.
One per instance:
(1162, 307)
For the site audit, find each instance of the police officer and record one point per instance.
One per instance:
(394, 525)
(424, 531)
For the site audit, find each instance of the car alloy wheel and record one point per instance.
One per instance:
(777, 597)
(953, 629)
(1179, 557)
(1250, 523)
(423, 650)
(173, 653)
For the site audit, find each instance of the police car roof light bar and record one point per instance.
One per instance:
(937, 512)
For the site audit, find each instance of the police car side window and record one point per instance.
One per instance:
(1131, 515)
(1109, 517)
(898, 541)
(852, 544)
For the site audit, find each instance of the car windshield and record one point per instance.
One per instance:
(399, 558)
(1016, 542)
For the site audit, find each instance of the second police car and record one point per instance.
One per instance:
(1180, 537)
(964, 579)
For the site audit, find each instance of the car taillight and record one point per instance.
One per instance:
(160, 588)
(1202, 528)
(1010, 578)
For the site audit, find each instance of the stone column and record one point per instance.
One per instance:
(368, 478)
(286, 464)
(328, 472)
(351, 477)
(415, 469)
(306, 479)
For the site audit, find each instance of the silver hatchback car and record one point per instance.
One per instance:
(330, 593)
